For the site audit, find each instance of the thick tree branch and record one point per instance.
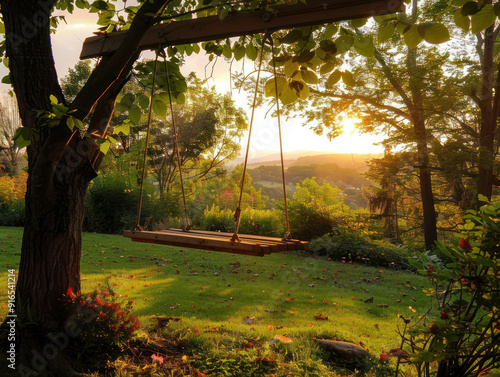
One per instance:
(365, 99)
(109, 70)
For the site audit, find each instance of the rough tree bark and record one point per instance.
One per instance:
(488, 102)
(61, 165)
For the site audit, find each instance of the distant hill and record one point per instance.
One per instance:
(357, 162)
(307, 157)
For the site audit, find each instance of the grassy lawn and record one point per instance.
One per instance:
(214, 293)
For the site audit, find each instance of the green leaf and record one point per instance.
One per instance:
(309, 76)
(364, 46)
(238, 52)
(291, 67)
(348, 78)
(463, 22)
(334, 78)
(288, 95)
(134, 114)
(78, 123)
(483, 19)
(412, 37)
(496, 9)
(70, 123)
(326, 68)
(128, 100)
(226, 51)
(269, 89)
(6, 80)
(291, 37)
(2, 28)
(436, 34)
(304, 91)
(305, 56)
(470, 8)
(53, 99)
(328, 46)
(483, 198)
(330, 31)
(22, 137)
(386, 32)
(104, 146)
(344, 43)
(358, 22)
(160, 108)
(123, 128)
(251, 51)
(144, 101)
(381, 19)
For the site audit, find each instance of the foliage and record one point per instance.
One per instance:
(309, 221)
(352, 248)
(77, 76)
(12, 213)
(463, 339)
(253, 221)
(104, 326)
(111, 205)
(12, 209)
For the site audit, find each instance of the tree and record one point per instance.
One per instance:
(209, 128)
(76, 78)
(60, 164)
(9, 124)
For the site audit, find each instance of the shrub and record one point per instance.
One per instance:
(463, 337)
(350, 247)
(309, 221)
(111, 205)
(253, 221)
(12, 213)
(104, 326)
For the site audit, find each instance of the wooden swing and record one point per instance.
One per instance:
(216, 241)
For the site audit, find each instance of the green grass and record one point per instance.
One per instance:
(282, 291)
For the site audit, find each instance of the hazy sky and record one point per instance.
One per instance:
(67, 43)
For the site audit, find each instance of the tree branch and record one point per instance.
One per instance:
(364, 99)
(109, 70)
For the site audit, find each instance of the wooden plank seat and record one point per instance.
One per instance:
(217, 241)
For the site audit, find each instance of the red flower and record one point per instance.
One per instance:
(465, 244)
(434, 329)
(444, 315)
(70, 293)
(99, 302)
(383, 357)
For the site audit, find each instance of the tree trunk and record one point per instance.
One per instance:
(488, 118)
(60, 167)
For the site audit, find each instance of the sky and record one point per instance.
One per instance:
(67, 43)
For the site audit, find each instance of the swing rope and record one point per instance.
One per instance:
(237, 212)
(187, 225)
(150, 114)
(288, 234)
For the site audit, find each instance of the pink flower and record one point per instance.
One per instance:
(157, 359)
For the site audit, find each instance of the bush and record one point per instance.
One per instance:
(349, 247)
(112, 201)
(12, 213)
(253, 221)
(309, 221)
(463, 338)
(104, 326)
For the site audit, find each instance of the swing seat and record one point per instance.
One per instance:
(217, 241)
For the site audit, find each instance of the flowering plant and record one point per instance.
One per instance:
(103, 324)
(462, 337)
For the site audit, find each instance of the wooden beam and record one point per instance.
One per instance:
(315, 12)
